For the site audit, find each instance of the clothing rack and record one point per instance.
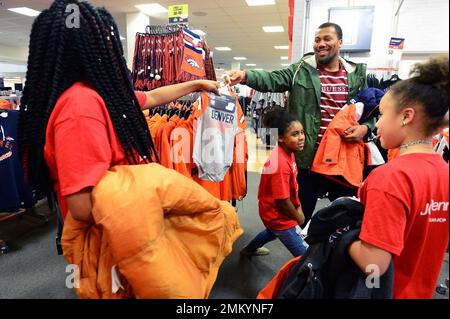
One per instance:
(382, 78)
(181, 113)
(163, 29)
(170, 54)
(16, 197)
(259, 103)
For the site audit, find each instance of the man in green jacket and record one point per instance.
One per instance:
(319, 85)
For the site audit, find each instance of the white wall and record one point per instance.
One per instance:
(16, 55)
(6, 68)
(423, 23)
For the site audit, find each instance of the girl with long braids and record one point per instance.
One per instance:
(79, 115)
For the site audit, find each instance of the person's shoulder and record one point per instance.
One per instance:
(80, 90)
(388, 174)
(407, 168)
(81, 100)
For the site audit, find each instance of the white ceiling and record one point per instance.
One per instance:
(228, 23)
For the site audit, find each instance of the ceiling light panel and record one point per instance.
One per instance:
(272, 29)
(199, 32)
(254, 3)
(25, 11)
(151, 9)
(223, 49)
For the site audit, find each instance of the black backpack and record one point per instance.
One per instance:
(309, 278)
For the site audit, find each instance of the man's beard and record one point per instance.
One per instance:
(326, 60)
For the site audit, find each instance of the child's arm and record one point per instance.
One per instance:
(365, 255)
(286, 207)
(167, 94)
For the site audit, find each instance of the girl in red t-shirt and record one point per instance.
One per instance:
(279, 207)
(406, 201)
(79, 115)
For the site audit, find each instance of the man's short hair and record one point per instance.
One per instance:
(335, 26)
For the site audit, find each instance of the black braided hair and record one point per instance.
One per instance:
(58, 57)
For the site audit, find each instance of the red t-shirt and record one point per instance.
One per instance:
(278, 181)
(406, 214)
(81, 143)
(334, 95)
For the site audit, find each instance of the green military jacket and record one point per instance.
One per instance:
(302, 81)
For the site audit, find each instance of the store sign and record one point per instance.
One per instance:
(179, 13)
(396, 49)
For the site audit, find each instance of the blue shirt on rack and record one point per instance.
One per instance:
(14, 193)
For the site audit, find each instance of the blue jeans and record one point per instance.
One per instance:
(289, 237)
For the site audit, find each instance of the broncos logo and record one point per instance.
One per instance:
(193, 63)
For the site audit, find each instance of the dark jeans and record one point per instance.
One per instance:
(289, 237)
(313, 186)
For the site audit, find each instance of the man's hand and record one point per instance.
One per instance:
(355, 133)
(235, 77)
(301, 218)
(208, 86)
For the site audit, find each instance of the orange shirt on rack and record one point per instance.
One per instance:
(240, 159)
(164, 142)
(158, 129)
(181, 147)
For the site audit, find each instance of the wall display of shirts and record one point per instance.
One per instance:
(170, 54)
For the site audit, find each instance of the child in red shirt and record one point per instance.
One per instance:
(79, 115)
(406, 201)
(279, 206)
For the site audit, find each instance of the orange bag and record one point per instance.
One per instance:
(163, 233)
(273, 287)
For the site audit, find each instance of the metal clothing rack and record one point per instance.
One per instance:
(163, 29)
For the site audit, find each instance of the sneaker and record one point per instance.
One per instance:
(261, 251)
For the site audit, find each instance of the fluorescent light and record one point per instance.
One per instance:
(223, 49)
(281, 47)
(199, 32)
(220, 70)
(239, 58)
(122, 38)
(151, 8)
(254, 3)
(251, 64)
(258, 69)
(285, 64)
(284, 58)
(278, 28)
(25, 11)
